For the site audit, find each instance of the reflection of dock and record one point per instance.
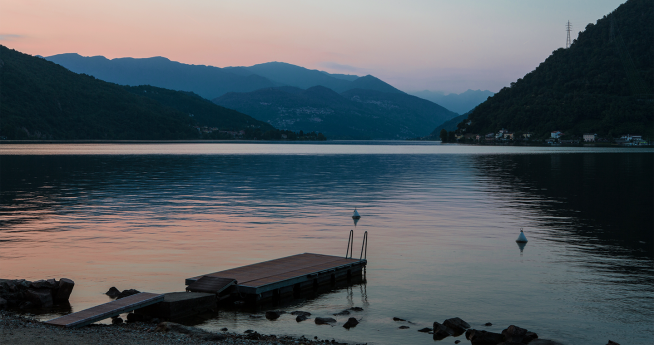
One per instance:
(289, 275)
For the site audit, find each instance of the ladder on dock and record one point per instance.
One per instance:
(107, 310)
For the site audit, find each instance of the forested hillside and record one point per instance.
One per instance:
(42, 100)
(602, 84)
(353, 114)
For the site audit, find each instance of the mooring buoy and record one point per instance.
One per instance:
(521, 237)
(356, 214)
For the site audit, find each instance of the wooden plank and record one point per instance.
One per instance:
(264, 276)
(208, 284)
(107, 310)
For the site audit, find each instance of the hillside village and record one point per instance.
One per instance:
(557, 137)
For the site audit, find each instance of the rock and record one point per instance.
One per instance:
(128, 292)
(116, 320)
(254, 336)
(113, 292)
(483, 338)
(341, 313)
(41, 297)
(3, 303)
(301, 318)
(324, 320)
(299, 312)
(64, 290)
(488, 324)
(398, 319)
(39, 284)
(404, 327)
(441, 331)
(248, 331)
(191, 331)
(356, 309)
(273, 315)
(351, 322)
(457, 341)
(515, 334)
(224, 329)
(457, 325)
(611, 342)
(425, 330)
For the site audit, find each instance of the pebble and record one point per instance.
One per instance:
(29, 331)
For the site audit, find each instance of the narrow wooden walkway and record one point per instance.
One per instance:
(273, 274)
(107, 310)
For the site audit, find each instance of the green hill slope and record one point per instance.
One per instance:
(204, 112)
(353, 114)
(42, 100)
(602, 84)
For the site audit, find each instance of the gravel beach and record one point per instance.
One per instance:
(17, 329)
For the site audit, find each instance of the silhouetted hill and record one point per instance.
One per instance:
(203, 111)
(602, 84)
(42, 100)
(371, 83)
(206, 81)
(211, 82)
(458, 103)
(292, 75)
(354, 114)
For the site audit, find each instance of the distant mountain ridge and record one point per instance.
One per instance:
(352, 114)
(458, 103)
(209, 81)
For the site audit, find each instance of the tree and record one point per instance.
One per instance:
(443, 135)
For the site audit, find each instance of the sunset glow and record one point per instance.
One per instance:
(414, 45)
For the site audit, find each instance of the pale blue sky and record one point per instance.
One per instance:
(442, 45)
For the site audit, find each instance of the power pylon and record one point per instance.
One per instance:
(568, 28)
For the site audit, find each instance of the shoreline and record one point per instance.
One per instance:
(18, 329)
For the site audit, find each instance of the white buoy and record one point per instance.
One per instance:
(521, 238)
(356, 214)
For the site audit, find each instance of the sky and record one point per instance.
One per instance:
(438, 45)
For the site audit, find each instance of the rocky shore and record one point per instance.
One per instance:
(19, 330)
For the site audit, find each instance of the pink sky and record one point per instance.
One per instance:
(442, 45)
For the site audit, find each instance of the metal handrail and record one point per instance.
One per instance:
(364, 245)
(350, 245)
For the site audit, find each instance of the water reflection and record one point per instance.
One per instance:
(442, 230)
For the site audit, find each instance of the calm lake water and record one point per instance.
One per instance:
(442, 222)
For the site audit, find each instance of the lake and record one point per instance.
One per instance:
(441, 219)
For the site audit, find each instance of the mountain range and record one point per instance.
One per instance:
(459, 103)
(603, 84)
(352, 114)
(209, 81)
(340, 106)
(42, 100)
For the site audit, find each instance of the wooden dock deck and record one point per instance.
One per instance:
(107, 310)
(289, 274)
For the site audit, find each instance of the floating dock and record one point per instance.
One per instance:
(288, 275)
(107, 310)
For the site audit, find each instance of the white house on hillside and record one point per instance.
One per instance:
(590, 137)
(556, 134)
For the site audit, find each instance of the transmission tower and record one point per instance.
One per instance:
(568, 28)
